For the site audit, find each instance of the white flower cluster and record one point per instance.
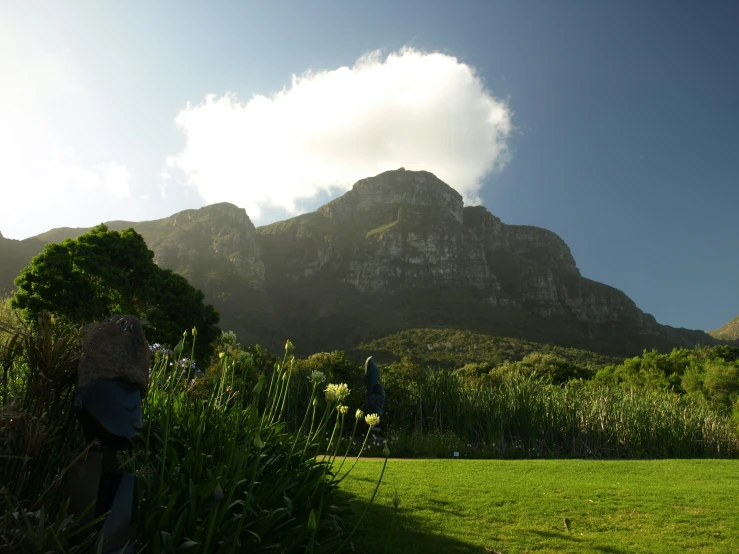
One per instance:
(343, 409)
(337, 393)
(317, 377)
(372, 420)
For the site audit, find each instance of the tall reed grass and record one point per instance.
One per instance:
(526, 417)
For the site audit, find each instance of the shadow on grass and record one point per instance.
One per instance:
(384, 530)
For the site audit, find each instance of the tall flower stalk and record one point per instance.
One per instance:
(213, 465)
(372, 420)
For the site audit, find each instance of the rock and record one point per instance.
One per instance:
(399, 230)
(115, 349)
(536, 268)
(538, 245)
(406, 236)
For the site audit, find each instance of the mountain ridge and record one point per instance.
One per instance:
(397, 251)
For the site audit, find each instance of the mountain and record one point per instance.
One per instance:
(729, 332)
(398, 251)
(216, 248)
(14, 256)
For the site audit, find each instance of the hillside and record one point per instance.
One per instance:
(729, 332)
(451, 349)
(14, 256)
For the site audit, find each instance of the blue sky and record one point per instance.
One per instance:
(614, 124)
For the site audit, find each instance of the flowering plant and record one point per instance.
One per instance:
(337, 393)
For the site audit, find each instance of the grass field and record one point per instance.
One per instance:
(520, 506)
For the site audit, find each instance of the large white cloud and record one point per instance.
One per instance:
(331, 128)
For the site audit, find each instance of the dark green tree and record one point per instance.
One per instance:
(108, 272)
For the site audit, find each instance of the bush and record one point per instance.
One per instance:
(106, 272)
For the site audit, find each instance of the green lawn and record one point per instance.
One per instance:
(519, 506)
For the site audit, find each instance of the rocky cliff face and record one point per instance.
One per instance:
(211, 244)
(404, 240)
(195, 240)
(406, 230)
(400, 230)
(534, 243)
(536, 268)
(397, 251)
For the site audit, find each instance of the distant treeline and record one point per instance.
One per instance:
(455, 348)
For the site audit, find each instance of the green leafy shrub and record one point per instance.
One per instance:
(707, 374)
(106, 272)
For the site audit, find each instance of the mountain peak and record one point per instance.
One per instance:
(395, 188)
(222, 212)
(222, 207)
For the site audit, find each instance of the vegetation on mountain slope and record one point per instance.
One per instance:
(455, 348)
(729, 331)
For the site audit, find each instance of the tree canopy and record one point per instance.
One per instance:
(108, 272)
